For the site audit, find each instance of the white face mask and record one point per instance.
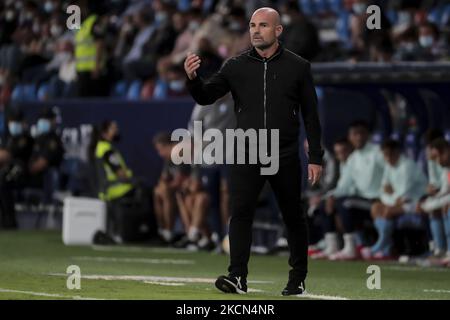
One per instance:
(286, 19)
(426, 41)
(55, 30)
(359, 8)
(48, 6)
(176, 85)
(9, 15)
(404, 17)
(193, 26)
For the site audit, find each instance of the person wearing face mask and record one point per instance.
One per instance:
(431, 48)
(105, 153)
(300, 35)
(14, 155)
(115, 181)
(176, 82)
(48, 150)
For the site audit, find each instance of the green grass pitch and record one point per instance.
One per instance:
(33, 265)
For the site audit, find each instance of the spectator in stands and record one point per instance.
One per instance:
(135, 65)
(403, 184)
(186, 25)
(359, 189)
(176, 81)
(432, 48)
(299, 34)
(62, 85)
(363, 38)
(170, 181)
(437, 206)
(408, 48)
(10, 53)
(15, 154)
(326, 209)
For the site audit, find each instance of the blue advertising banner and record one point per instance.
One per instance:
(138, 122)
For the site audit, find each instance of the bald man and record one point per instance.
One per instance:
(269, 85)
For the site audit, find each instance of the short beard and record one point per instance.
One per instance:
(264, 45)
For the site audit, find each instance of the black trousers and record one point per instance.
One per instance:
(246, 183)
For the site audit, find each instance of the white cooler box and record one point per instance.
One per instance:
(82, 218)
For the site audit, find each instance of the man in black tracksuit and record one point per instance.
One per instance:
(269, 85)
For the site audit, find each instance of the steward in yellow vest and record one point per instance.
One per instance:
(117, 174)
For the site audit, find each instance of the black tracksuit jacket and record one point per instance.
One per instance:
(268, 94)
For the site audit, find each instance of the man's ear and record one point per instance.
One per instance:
(278, 30)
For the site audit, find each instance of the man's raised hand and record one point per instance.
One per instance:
(191, 64)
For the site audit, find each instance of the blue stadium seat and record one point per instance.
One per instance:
(134, 91)
(445, 18)
(184, 5)
(321, 6)
(377, 137)
(396, 135)
(392, 16)
(435, 15)
(120, 89)
(30, 92)
(17, 93)
(43, 92)
(160, 91)
(342, 28)
(411, 145)
(307, 7)
(335, 6)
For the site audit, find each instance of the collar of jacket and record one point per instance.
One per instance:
(252, 53)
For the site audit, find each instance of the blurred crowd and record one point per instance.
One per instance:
(135, 48)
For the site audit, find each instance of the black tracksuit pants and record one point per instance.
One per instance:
(246, 183)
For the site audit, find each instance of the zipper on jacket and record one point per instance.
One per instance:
(265, 111)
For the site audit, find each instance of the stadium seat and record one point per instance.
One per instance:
(377, 137)
(147, 89)
(43, 92)
(342, 28)
(29, 92)
(445, 18)
(321, 6)
(160, 91)
(335, 6)
(396, 135)
(17, 93)
(411, 144)
(307, 7)
(435, 15)
(134, 91)
(392, 16)
(120, 89)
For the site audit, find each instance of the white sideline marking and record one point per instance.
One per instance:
(139, 249)
(165, 283)
(150, 278)
(134, 260)
(430, 269)
(321, 297)
(436, 291)
(45, 294)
